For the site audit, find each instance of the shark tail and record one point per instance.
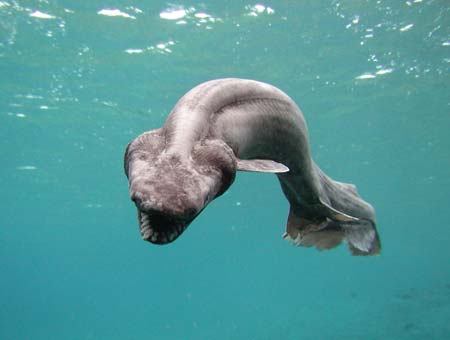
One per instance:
(330, 229)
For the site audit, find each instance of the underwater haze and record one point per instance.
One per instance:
(80, 79)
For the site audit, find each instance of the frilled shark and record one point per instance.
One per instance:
(226, 125)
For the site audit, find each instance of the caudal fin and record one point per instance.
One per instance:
(360, 233)
(362, 238)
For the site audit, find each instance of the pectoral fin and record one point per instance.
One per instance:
(261, 165)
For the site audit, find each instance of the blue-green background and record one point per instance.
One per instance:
(77, 85)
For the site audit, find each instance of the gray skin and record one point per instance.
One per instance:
(226, 125)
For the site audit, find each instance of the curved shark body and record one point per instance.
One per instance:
(226, 125)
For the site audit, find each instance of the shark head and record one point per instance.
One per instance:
(170, 189)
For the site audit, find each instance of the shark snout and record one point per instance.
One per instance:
(179, 206)
(138, 199)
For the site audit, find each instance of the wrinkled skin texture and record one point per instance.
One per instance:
(226, 125)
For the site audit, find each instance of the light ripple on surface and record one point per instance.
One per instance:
(41, 15)
(384, 71)
(258, 9)
(366, 76)
(115, 13)
(175, 13)
(183, 16)
(406, 28)
(162, 48)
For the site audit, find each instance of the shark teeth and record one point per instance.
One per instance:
(156, 235)
(146, 233)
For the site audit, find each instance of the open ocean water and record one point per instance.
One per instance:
(79, 80)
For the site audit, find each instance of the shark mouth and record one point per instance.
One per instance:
(159, 228)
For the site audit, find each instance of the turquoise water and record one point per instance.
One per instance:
(79, 81)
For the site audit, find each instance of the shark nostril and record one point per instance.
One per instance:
(136, 197)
